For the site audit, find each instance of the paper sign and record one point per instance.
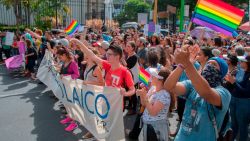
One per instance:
(9, 38)
(142, 18)
(151, 27)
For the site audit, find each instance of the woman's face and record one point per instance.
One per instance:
(128, 48)
(201, 57)
(62, 58)
(156, 81)
(153, 39)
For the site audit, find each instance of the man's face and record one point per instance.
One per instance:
(112, 57)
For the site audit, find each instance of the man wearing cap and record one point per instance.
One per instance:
(102, 48)
(206, 100)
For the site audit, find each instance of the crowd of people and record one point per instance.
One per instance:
(205, 80)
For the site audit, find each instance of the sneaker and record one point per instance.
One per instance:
(66, 120)
(71, 127)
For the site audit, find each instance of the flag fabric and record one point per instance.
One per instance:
(14, 62)
(218, 15)
(144, 76)
(72, 28)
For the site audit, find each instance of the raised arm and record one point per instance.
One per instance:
(34, 34)
(172, 84)
(199, 83)
(88, 52)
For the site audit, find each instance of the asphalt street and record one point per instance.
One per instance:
(28, 113)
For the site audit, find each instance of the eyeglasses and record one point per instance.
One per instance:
(110, 54)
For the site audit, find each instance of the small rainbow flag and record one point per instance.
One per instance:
(218, 15)
(72, 28)
(144, 76)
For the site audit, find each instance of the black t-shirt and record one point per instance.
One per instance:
(131, 61)
(31, 50)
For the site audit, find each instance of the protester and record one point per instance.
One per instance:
(69, 67)
(132, 63)
(155, 41)
(204, 55)
(92, 76)
(240, 101)
(31, 56)
(232, 62)
(142, 52)
(15, 46)
(92, 73)
(156, 102)
(207, 101)
(6, 48)
(115, 74)
(102, 48)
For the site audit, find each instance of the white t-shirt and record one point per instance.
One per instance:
(162, 96)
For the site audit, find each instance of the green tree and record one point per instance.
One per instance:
(41, 9)
(131, 8)
(45, 10)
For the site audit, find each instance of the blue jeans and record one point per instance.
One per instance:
(240, 114)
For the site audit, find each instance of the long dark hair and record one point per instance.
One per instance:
(153, 57)
(157, 40)
(207, 51)
(63, 50)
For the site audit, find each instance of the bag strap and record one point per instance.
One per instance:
(212, 118)
(92, 68)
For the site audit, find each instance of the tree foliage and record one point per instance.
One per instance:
(39, 8)
(131, 8)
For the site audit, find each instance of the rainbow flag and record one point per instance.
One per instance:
(72, 28)
(218, 15)
(144, 76)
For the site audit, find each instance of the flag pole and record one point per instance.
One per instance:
(155, 11)
(182, 16)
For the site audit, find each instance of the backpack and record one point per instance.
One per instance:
(225, 133)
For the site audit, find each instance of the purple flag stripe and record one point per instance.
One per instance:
(214, 27)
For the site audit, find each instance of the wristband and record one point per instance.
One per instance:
(181, 66)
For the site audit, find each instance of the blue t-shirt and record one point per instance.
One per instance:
(184, 75)
(196, 124)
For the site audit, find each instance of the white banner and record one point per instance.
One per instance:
(99, 109)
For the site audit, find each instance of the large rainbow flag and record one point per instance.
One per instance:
(218, 15)
(72, 28)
